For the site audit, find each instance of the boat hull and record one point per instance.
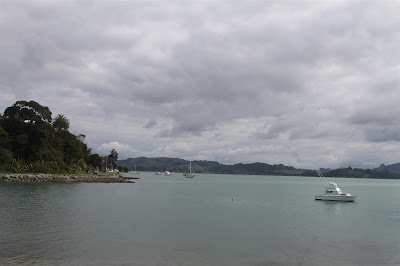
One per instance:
(336, 198)
(189, 175)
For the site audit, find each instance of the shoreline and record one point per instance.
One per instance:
(67, 178)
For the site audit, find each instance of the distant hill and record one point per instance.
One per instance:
(362, 173)
(393, 168)
(162, 164)
(159, 164)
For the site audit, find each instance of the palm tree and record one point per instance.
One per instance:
(61, 122)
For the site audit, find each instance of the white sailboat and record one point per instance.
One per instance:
(190, 173)
(109, 170)
(333, 192)
(135, 172)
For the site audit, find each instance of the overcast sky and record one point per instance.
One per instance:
(303, 83)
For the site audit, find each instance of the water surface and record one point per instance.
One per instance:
(211, 219)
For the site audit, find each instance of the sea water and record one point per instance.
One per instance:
(207, 220)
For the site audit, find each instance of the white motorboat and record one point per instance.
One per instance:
(333, 192)
(168, 173)
(157, 173)
(190, 173)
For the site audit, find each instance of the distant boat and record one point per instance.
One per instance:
(109, 170)
(157, 173)
(168, 173)
(333, 192)
(135, 172)
(190, 173)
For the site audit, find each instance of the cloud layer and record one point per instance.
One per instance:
(308, 84)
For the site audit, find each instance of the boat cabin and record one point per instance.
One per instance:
(333, 189)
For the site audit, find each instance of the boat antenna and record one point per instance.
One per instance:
(323, 177)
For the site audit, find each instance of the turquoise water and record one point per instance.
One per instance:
(163, 220)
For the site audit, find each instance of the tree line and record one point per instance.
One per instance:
(31, 141)
(181, 165)
(211, 167)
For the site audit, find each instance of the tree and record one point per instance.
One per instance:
(6, 155)
(112, 157)
(95, 160)
(30, 111)
(28, 138)
(61, 122)
(3, 137)
(72, 148)
(81, 137)
(82, 165)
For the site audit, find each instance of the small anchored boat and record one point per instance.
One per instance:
(135, 172)
(190, 173)
(333, 192)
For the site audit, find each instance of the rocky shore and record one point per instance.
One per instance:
(85, 178)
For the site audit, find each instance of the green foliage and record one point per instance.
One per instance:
(61, 122)
(29, 143)
(3, 137)
(43, 167)
(362, 173)
(180, 165)
(82, 165)
(6, 157)
(95, 161)
(17, 166)
(28, 111)
(113, 157)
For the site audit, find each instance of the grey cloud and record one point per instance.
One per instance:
(151, 75)
(272, 131)
(375, 118)
(383, 134)
(33, 56)
(150, 124)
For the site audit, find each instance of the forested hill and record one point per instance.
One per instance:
(32, 141)
(362, 173)
(162, 164)
(392, 168)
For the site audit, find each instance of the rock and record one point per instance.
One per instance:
(61, 178)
